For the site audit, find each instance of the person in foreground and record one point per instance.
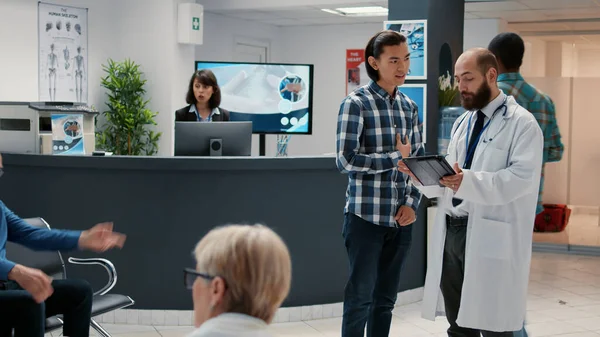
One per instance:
(243, 273)
(381, 203)
(28, 296)
(482, 235)
(203, 99)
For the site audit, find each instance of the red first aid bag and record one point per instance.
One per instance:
(554, 218)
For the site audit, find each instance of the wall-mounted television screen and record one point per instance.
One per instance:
(277, 98)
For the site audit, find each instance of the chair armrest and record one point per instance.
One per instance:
(108, 266)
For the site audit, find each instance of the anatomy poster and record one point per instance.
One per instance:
(356, 73)
(415, 32)
(67, 134)
(63, 56)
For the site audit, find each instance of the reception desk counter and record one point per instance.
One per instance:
(165, 205)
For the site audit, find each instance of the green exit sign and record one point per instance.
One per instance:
(196, 23)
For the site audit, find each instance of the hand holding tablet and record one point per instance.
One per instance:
(428, 170)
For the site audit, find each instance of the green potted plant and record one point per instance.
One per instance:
(128, 120)
(449, 110)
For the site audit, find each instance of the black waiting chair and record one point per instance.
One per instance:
(52, 263)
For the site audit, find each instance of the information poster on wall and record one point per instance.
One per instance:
(418, 94)
(416, 37)
(63, 55)
(67, 134)
(356, 73)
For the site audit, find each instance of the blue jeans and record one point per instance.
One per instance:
(376, 255)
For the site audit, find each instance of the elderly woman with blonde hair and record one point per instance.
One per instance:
(242, 275)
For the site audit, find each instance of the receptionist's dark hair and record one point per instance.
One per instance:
(375, 48)
(205, 77)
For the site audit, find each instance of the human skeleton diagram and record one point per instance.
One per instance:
(67, 55)
(52, 68)
(79, 72)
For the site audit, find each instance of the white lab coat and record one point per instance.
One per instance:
(502, 188)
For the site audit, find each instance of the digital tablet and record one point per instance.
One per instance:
(429, 169)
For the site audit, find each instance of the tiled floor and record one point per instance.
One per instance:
(583, 229)
(564, 300)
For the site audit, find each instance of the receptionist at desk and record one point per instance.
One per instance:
(204, 98)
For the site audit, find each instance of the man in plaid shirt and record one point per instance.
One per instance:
(509, 49)
(376, 126)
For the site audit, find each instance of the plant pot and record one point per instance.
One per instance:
(448, 115)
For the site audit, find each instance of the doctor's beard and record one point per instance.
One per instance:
(477, 100)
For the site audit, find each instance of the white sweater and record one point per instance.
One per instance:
(232, 325)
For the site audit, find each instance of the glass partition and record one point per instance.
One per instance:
(575, 180)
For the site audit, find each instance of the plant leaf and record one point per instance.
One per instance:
(124, 132)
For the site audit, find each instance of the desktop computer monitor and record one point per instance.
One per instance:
(213, 138)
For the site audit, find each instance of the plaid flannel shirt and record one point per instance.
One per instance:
(542, 108)
(368, 121)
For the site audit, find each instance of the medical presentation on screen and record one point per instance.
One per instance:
(275, 97)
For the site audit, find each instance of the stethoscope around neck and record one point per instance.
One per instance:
(471, 150)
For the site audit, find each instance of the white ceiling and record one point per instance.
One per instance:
(285, 13)
(302, 15)
(568, 20)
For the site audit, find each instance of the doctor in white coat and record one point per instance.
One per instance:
(480, 246)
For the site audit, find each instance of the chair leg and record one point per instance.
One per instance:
(99, 329)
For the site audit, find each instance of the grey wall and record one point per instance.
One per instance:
(165, 205)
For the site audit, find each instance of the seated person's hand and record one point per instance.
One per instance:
(101, 238)
(34, 281)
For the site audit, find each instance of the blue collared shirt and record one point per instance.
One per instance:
(368, 121)
(15, 229)
(214, 111)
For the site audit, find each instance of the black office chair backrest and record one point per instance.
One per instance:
(50, 262)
